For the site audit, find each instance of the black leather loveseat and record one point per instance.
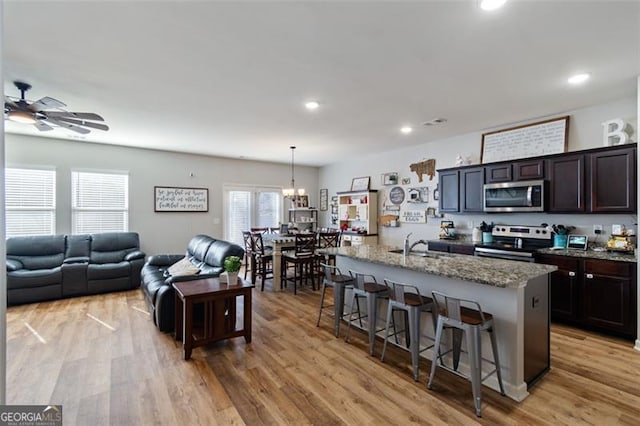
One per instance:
(48, 267)
(204, 252)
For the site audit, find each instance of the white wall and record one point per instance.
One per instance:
(159, 232)
(585, 131)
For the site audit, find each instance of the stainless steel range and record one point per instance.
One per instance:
(515, 242)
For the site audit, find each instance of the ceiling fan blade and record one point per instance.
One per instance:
(78, 115)
(84, 123)
(69, 126)
(46, 103)
(42, 126)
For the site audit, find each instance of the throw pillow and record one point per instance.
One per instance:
(183, 267)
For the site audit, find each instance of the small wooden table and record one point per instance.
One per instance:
(218, 320)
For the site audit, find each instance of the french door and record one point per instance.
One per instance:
(250, 206)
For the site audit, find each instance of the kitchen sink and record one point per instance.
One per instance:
(417, 253)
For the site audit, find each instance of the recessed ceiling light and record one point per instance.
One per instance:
(405, 130)
(491, 4)
(579, 78)
(311, 105)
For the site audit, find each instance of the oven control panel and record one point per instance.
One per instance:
(518, 231)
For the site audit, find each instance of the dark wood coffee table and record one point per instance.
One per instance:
(217, 319)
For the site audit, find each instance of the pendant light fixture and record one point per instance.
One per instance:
(290, 192)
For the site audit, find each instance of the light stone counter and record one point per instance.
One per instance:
(515, 293)
(591, 254)
(482, 270)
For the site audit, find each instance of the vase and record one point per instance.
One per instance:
(560, 241)
(232, 277)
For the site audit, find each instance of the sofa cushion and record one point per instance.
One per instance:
(37, 252)
(197, 248)
(78, 246)
(219, 250)
(112, 247)
(108, 270)
(25, 278)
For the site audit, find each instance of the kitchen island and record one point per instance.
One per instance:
(516, 293)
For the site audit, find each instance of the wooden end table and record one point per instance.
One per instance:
(218, 320)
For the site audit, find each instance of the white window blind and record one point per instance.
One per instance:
(30, 196)
(250, 207)
(99, 202)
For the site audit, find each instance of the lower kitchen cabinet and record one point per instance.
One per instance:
(564, 287)
(597, 294)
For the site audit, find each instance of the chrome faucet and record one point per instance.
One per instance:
(407, 248)
(418, 242)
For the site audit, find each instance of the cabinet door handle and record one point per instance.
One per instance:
(590, 276)
(572, 274)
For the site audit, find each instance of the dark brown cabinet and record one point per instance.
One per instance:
(448, 186)
(498, 173)
(612, 181)
(609, 299)
(563, 290)
(471, 187)
(566, 184)
(597, 294)
(456, 248)
(528, 170)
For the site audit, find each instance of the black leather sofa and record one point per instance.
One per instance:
(206, 253)
(49, 267)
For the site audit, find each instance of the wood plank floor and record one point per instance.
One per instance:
(105, 362)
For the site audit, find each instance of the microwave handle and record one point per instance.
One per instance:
(529, 196)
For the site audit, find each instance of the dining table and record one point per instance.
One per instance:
(278, 243)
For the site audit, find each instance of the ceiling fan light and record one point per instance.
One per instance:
(22, 117)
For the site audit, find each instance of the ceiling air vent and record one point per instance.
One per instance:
(434, 122)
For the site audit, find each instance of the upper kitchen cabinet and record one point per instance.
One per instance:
(528, 170)
(471, 183)
(448, 185)
(497, 173)
(612, 181)
(566, 183)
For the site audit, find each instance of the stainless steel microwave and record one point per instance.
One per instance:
(525, 196)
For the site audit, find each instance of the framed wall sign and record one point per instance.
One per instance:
(360, 184)
(529, 140)
(324, 199)
(178, 199)
(390, 178)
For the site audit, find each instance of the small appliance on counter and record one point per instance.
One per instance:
(447, 230)
(621, 243)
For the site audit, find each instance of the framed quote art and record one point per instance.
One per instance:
(178, 199)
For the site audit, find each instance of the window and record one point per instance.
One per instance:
(247, 207)
(99, 202)
(30, 202)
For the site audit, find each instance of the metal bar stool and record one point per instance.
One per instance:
(365, 285)
(338, 281)
(452, 314)
(408, 298)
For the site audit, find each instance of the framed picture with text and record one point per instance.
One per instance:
(360, 183)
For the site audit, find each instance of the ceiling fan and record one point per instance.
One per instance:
(40, 114)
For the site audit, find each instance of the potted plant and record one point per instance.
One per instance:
(232, 265)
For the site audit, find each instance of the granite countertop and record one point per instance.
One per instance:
(585, 254)
(592, 254)
(493, 272)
